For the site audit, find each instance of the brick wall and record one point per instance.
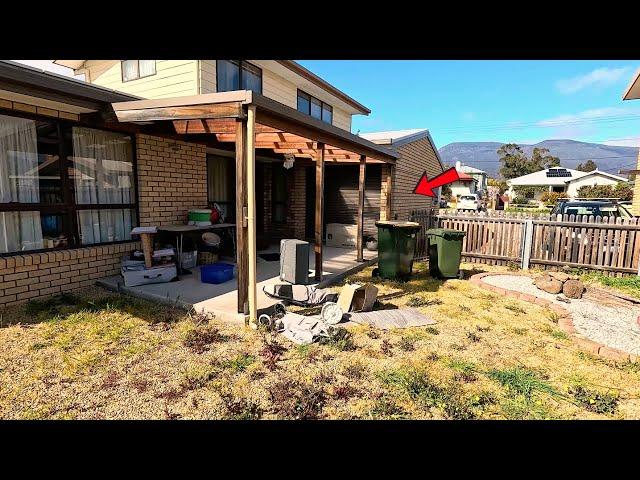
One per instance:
(172, 178)
(25, 277)
(385, 191)
(296, 216)
(294, 227)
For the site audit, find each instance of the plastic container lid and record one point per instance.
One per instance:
(446, 233)
(397, 224)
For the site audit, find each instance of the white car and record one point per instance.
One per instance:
(470, 201)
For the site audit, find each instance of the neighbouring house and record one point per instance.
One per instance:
(633, 93)
(561, 180)
(465, 184)
(80, 164)
(480, 176)
(417, 155)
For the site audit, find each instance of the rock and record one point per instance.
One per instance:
(563, 277)
(541, 278)
(550, 286)
(573, 288)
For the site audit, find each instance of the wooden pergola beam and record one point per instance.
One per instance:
(265, 117)
(185, 112)
(214, 125)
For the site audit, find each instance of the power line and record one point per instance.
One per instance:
(545, 123)
(564, 158)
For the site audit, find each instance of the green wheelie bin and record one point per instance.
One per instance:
(445, 252)
(396, 248)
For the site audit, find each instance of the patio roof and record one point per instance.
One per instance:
(278, 127)
(253, 121)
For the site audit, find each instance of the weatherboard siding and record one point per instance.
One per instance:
(415, 158)
(173, 78)
(588, 181)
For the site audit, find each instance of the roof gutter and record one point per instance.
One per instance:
(27, 80)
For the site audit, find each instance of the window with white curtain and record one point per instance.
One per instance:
(103, 175)
(63, 186)
(19, 184)
(135, 69)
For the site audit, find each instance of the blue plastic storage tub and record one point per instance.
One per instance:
(216, 273)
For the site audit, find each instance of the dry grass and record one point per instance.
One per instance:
(103, 355)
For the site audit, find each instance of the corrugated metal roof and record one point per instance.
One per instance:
(392, 135)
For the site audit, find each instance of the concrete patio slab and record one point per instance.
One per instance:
(221, 299)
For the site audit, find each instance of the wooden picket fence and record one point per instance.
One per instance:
(606, 244)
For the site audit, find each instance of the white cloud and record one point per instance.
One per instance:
(600, 77)
(586, 116)
(623, 142)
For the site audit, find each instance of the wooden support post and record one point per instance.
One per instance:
(527, 243)
(319, 209)
(251, 214)
(361, 183)
(242, 259)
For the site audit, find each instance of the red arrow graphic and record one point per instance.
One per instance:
(426, 186)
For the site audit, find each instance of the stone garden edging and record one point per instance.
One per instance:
(565, 322)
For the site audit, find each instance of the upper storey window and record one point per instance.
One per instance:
(238, 75)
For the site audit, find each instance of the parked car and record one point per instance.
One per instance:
(470, 201)
(598, 208)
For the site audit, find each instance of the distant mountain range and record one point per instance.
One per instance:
(483, 155)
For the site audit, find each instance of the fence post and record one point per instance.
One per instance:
(527, 243)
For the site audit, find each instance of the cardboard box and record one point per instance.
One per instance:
(341, 235)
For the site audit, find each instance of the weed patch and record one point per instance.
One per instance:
(432, 330)
(418, 301)
(521, 381)
(298, 401)
(606, 403)
(339, 338)
(199, 339)
(515, 308)
(239, 363)
(424, 391)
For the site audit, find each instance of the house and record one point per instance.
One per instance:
(480, 176)
(561, 180)
(123, 161)
(633, 93)
(417, 155)
(465, 184)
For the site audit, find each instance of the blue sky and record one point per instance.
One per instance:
(503, 101)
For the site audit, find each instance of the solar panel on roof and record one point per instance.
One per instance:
(558, 172)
